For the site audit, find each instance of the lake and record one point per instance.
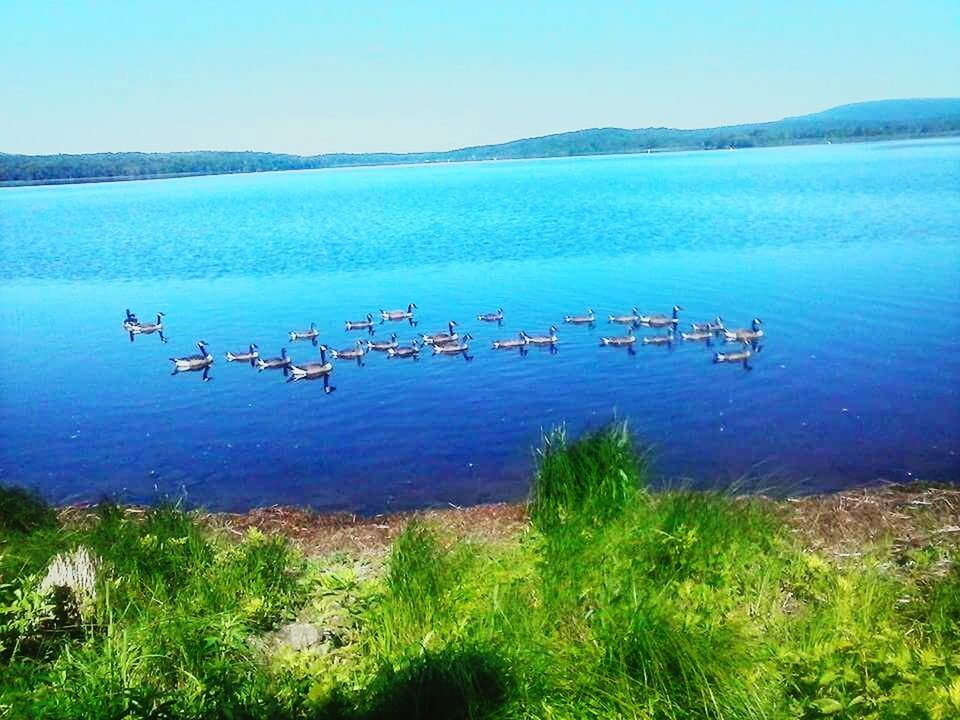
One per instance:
(850, 254)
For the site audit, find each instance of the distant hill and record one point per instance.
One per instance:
(877, 120)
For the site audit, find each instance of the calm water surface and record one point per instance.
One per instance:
(850, 254)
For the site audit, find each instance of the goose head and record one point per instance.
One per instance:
(757, 322)
(369, 317)
(676, 309)
(253, 347)
(553, 329)
(283, 353)
(411, 306)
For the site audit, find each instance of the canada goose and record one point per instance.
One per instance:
(312, 369)
(587, 319)
(398, 314)
(383, 346)
(491, 317)
(405, 351)
(744, 335)
(147, 328)
(360, 324)
(739, 356)
(130, 320)
(550, 339)
(697, 335)
(310, 334)
(355, 353)
(275, 363)
(252, 354)
(665, 339)
(661, 320)
(460, 347)
(441, 337)
(193, 362)
(619, 340)
(713, 327)
(510, 343)
(631, 319)
(743, 356)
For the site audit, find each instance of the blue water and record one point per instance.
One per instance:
(850, 254)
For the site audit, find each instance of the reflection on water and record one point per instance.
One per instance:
(849, 254)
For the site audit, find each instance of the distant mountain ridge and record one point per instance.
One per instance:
(874, 120)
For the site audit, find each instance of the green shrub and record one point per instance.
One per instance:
(22, 511)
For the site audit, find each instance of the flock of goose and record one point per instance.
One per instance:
(452, 342)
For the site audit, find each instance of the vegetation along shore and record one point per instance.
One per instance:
(598, 598)
(857, 122)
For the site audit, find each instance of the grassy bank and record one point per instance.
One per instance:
(599, 599)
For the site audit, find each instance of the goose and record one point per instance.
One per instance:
(147, 328)
(441, 337)
(193, 362)
(405, 351)
(398, 314)
(383, 346)
(743, 356)
(661, 320)
(550, 339)
(619, 340)
(252, 354)
(355, 353)
(713, 327)
(275, 363)
(310, 334)
(460, 347)
(587, 319)
(491, 317)
(510, 343)
(665, 339)
(743, 334)
(130, 320)
(697, 335)
(360, 324)
(632, 319)
(313, 369)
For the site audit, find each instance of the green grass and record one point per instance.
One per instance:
(616, 602)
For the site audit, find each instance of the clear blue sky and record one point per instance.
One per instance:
(311, 77)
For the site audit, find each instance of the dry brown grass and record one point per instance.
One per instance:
(321, 534)
(850, 522)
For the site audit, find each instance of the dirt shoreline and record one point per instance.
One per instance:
(843, 524)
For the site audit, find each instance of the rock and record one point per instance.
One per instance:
(296, 636)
